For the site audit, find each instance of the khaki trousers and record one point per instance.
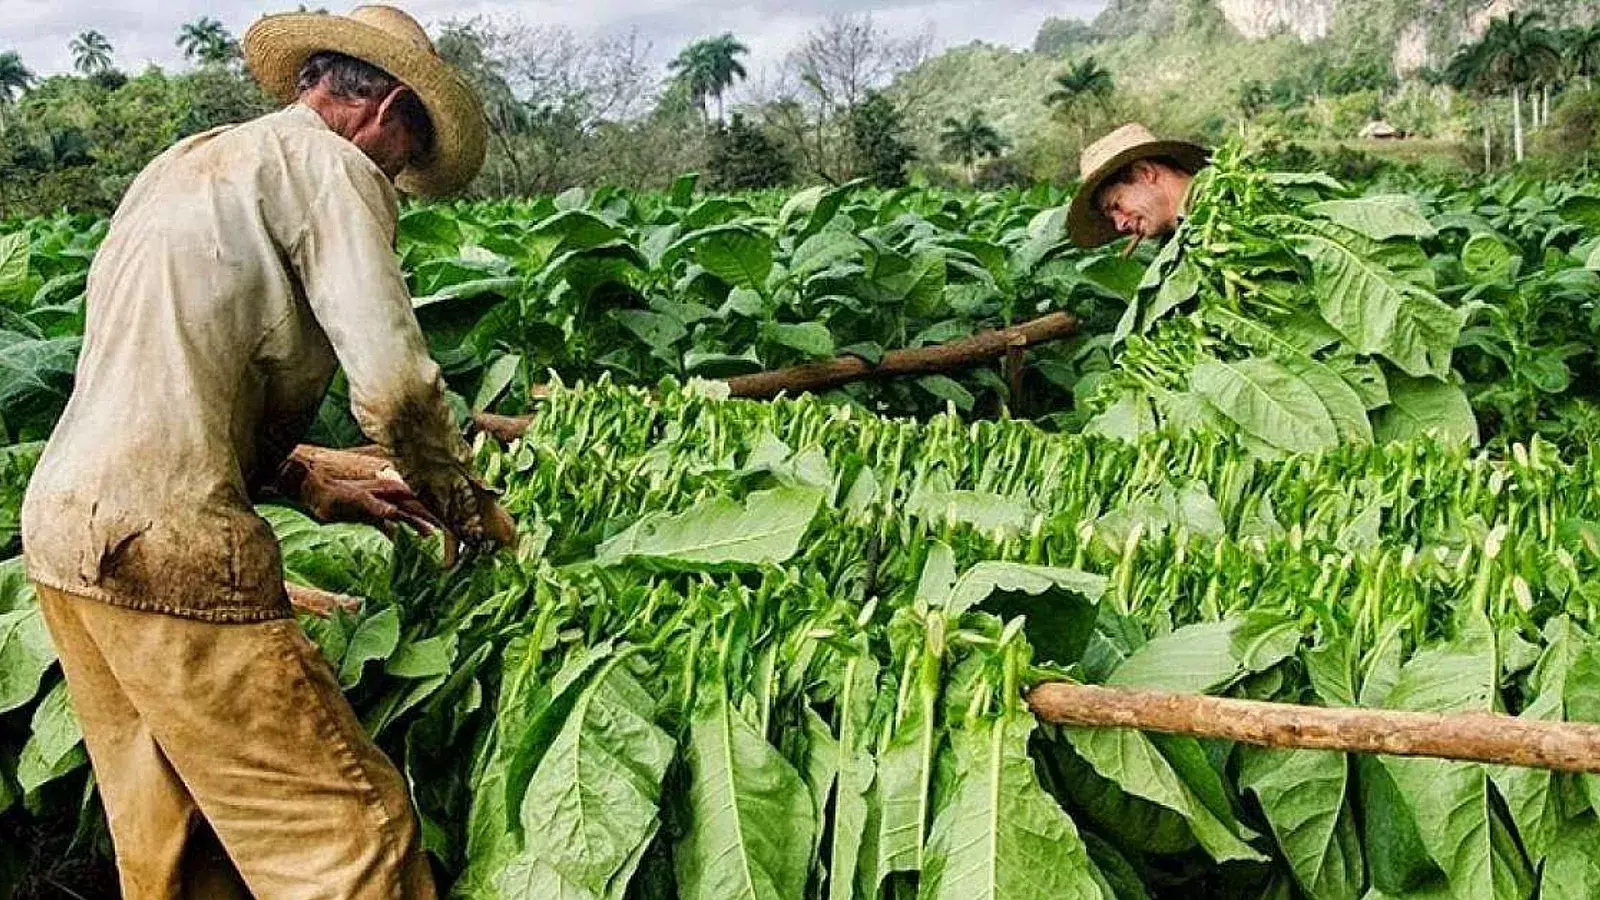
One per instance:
(198, 729)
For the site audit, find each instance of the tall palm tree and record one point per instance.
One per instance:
(91, 52)
(970, 140)
(1518, 52)
(14, 81)
(1085, 81)
(1583, 52)
(708, 67)
(206, 40)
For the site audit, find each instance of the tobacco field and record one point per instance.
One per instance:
(1331, 444)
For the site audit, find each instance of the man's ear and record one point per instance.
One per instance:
(1140, 171)
(389, 106)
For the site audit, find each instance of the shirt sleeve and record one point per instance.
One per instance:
(344, 257)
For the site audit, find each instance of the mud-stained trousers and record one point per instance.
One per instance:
(202, 732)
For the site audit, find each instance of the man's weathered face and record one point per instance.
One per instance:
(1143, 199)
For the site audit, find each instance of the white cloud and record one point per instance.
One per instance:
(145, 31)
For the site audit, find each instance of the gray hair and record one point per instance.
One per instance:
(348, 77)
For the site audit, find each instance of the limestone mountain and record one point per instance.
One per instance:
(1411, 33)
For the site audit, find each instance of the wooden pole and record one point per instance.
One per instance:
(1470, 737)
(958, 354)
(831, 373)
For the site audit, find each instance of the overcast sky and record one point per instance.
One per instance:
(143, 31)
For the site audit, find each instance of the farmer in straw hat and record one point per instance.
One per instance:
(242, 266)
(1133, 184)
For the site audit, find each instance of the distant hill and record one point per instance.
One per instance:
(1412, 33)
(1188, 68)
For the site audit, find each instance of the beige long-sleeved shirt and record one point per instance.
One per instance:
(241, 268)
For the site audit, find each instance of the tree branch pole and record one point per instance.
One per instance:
(1469, 737)
(831, 373)
(958, 354)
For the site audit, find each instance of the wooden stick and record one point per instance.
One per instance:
(959, 354)
(832, 373)
(1471, 737)
(1133, 244)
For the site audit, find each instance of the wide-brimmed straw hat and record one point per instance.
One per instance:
(1086, 225)
(277, 46)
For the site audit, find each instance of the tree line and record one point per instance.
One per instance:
(566, 110)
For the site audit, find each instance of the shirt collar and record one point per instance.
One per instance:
(304, 116)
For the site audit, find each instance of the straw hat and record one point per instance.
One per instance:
(1086, 225)
(277, 46)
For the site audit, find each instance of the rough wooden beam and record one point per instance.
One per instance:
(958, 354)
(831, 373)
(1471, 737)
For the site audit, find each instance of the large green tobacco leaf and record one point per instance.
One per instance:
(811, 338)
(740, 257)
(751, 817)
(13, 265)
(25, 654)
(1452, 801)
(1195, 659)
(374, 638)
(975, 585)
(1304, 795)
(1131, 760)
(592, 803)
(1379, 217)
(1573, 871)
(1419, 406)
(1000, 836)
(343, 557)
(1126, 419)
(822, 250)
(1531, 794)
(37, 369)
(1345, 407)
(1379, 312)
(1267, 402)
(720, 533)
(529, 877)
(54, 747)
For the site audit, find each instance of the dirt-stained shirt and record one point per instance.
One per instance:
(242, 267)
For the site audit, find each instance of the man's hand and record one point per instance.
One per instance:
(348, 486)
(475, 517)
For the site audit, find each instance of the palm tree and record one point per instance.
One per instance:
(1583, 52)
(14, 81)
(14, 77)
(206, 40)
(970, 140)
(91, 52)
(1087, 80)
(708, 67)
(1518, 51)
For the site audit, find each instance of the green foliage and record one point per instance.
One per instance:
(1058, 37)
(744, 158)
(878, 149)
(77, 143)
